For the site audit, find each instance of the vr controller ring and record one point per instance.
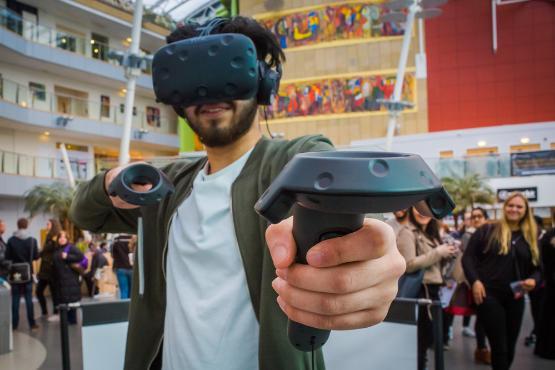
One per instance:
(141, 174)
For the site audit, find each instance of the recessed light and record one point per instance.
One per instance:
(525, 140)
(46, 133)
(482, 143)
(92, 42)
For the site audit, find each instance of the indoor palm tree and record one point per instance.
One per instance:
(54, 199)
(467, 192)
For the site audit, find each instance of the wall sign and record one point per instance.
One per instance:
(541, 162)
(530, 193)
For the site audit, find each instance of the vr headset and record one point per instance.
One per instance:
(210, 69)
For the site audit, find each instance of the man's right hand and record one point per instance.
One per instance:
(117, 201)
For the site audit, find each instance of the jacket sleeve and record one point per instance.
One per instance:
(406, 242)
(92, 209)
(470, 257)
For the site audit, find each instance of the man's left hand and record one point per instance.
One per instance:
(349, 282)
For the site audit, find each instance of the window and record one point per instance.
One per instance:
(99, 46)
(66, 41)
(104, 106)
(38, 91)
(153, 116)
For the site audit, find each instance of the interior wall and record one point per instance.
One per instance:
(355, 59)
(471, 86)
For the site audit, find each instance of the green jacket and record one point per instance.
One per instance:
(92, 210)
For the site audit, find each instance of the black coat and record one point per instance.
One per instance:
(67, 280)
(545, 345)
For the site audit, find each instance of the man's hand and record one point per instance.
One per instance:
(117, 201)
(349, 281)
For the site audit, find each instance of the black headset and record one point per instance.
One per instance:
(212, 67)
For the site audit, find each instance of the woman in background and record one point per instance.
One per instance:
(46, 271)
(67, 279)
(501, 262)
(420, 244)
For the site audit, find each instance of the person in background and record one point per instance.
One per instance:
(98, 261)
(22, 248)
(68, 287)
(122, 265)
(46, 270)
(4, 263)
(401, 219)
(482, 354)
(545, 330)
(458, 234)
(536, 295)
(501, 262)
(420, 244)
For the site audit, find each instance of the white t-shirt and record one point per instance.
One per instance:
(210, 321)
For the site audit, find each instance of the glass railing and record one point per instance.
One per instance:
(71, 106)
(490, 166)
(58, 38)
(44, 167)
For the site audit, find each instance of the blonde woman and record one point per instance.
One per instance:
(501, 264)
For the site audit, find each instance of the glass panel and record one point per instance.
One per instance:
(9, 163)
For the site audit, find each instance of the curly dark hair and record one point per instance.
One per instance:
(267, 46)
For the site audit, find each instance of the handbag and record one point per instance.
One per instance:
(20, 272)
(462, 302)
(410, 283)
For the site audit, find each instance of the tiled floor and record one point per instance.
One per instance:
(41, 349)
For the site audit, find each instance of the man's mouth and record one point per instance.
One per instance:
(214, 108)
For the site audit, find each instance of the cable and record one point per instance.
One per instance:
(266, 120)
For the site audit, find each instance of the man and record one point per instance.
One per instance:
(122, 264)
(22, 248)
(401, 219)
(3, 262)
(210, 262)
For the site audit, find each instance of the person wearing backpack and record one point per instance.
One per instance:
(67, 264)
(22, 249)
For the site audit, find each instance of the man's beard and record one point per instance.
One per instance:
(213, 136)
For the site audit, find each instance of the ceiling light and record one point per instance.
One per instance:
(92, 42)
(525, 140)
(46, 133)
(95, 51)
(482, 143)
(129, 39)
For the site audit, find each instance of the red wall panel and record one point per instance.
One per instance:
(470, 86)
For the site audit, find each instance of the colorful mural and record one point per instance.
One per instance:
(332, 23)
(337, 95)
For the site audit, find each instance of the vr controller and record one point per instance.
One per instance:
(329, 192)
(141, 174)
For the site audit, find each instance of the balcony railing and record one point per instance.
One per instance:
(491, 166)
(44, 167)
(58, 38)
(72, 106)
